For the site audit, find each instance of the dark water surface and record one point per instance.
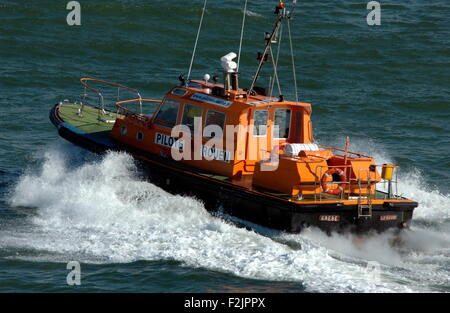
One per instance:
(386, 87)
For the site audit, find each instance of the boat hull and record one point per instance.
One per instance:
(275, 213)
(256, 207)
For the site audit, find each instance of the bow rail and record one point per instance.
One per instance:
(101, 99)
(125, 111)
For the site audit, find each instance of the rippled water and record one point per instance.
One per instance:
(386, 87)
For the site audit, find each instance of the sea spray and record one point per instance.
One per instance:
(103, 211)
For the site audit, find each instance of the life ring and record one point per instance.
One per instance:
(340, 188)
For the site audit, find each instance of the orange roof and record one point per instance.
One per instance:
(238, 100)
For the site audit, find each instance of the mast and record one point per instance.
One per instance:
(282, 14)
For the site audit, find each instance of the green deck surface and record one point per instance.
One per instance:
(89, 120)
(216, 177)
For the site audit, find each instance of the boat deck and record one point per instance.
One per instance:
(89, 121)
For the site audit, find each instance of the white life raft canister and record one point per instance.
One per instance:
(293, 149)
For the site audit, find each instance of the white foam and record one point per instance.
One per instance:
(433, 205)
(102, 212)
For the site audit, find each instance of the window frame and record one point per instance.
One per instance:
(273, 124)
(180, 94)
(224, 122)
(182, 114)
(161, 122)
(267, 123)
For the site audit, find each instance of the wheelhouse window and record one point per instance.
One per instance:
(215, 118)
(260, 122)
(194, 85)
(190, 112)
(297, 131)
(167, 115)
(179, 92)
(282, 119)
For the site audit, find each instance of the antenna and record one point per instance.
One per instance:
(293, 60)
(196, 40)
(242, 35)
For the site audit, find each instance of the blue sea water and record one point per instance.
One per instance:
(386, 87)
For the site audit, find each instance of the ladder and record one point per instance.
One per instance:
(365, 209)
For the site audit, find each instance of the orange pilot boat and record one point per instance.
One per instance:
(242, 151)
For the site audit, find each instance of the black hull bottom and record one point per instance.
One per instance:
(266, 211)
(273, 213)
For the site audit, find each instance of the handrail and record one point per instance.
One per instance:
(341, 150)
(357, 181)
(84, 81)
(118, 104)
(133, 100)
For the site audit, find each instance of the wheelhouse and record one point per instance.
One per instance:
(232, 131)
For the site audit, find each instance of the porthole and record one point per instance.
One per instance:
(123, 130)
(139, 136)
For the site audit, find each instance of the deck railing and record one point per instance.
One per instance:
(121, 109)
(120, 104)
(363, 183)
(101, 99)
